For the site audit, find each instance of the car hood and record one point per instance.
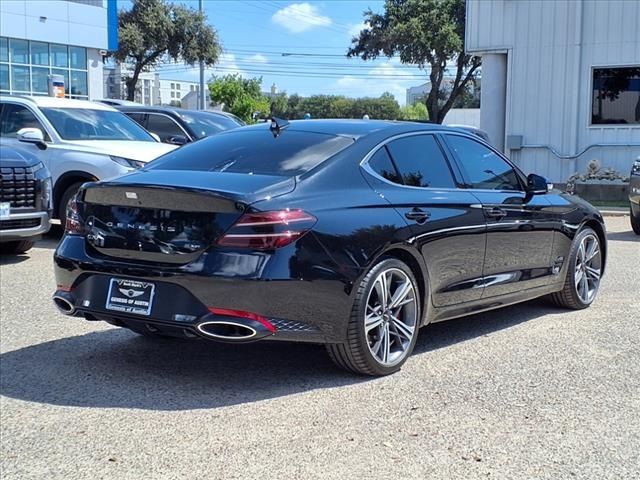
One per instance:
(134, 150)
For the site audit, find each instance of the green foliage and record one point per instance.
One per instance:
(240, 96)
(426, 33)
(154, 31)
(337, 106)
(415, 112)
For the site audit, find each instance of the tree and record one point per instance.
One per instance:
(240, 96)
(426, 33)
(279, 105)
(415, 112)
(154, 31)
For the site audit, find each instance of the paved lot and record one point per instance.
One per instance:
(526, 392)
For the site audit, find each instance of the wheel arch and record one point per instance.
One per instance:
(598, 227)
(65, 181)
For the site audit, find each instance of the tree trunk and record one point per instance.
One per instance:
(132, 82)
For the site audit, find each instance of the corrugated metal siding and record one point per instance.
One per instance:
(550, 63)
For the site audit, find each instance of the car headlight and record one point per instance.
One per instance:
(37, 167)
(126, 162)
(47, 193)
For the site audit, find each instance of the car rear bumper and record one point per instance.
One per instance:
(21, 226)
(187, 297)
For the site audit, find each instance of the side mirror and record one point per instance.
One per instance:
(177, 140)
(537, 185)
(32, 135)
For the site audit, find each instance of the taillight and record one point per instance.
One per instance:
(74, 224)
(268, 230)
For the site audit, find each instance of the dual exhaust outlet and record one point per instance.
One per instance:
(219, 325)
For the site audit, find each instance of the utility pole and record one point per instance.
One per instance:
(201, 99)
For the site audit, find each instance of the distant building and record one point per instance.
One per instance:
(273, 91)
(418, 93)
(151, 89)
(63, 37)
(561, 81)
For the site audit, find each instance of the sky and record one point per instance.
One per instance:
(298, 45)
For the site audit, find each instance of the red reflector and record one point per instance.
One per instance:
(73, 224)
(64, 288)
(242, 314)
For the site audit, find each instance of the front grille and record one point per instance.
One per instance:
(20, 223)
(18, 187)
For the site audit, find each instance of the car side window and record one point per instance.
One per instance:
(420, 162)
(15, 118)
(136, 117)
(381, 163)
(163, 126)
(485, 169)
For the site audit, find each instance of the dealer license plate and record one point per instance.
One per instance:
(130, 296)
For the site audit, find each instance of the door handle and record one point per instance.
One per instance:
(417, 215)
(495, 212)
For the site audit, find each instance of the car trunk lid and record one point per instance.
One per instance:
(169, 217)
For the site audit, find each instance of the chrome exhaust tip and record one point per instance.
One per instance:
(228, 331)
(64, 302)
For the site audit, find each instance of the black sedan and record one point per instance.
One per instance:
(349, 233)
(178, 126)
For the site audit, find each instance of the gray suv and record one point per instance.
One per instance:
(25, 199)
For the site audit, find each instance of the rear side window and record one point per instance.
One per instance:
(420, 162)
(255, 150)
(485, 170)
(381, 163)
(137, 117)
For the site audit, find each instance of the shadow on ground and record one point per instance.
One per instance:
(116, 369)
(623, 236)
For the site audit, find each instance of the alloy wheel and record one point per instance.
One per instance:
(588, 268)
(390, 322)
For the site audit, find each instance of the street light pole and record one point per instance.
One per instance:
(201, 102)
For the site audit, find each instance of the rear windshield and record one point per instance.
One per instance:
(256, 151)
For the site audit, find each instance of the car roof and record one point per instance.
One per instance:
(163, 109)
(53, 102)
(355, 128)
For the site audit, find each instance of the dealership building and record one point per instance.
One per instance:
(560, 81)
(64, 37)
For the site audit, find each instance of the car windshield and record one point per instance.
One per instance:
(255, 151)
(89, 124)
(205, 124)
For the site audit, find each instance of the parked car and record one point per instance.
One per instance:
(634, 196)
(116, 101)
(475, 130)
(78, 141)
(178, 126)
(25, 199)
(349, 233)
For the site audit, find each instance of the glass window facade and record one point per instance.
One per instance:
(25, 66)
(616, 96)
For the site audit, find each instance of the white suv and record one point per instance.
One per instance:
(78, 141)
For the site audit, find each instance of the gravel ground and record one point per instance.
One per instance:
(526, 392)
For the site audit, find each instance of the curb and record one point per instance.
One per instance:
(614, 213)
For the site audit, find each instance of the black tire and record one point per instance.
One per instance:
(569, 297)
(355, 354)
(64, 201)
(635, 222)
(17, 247)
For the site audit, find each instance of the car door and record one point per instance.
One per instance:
(519, 228)
(165, 127)
(448, 229)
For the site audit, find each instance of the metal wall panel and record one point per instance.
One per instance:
(552, 47)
